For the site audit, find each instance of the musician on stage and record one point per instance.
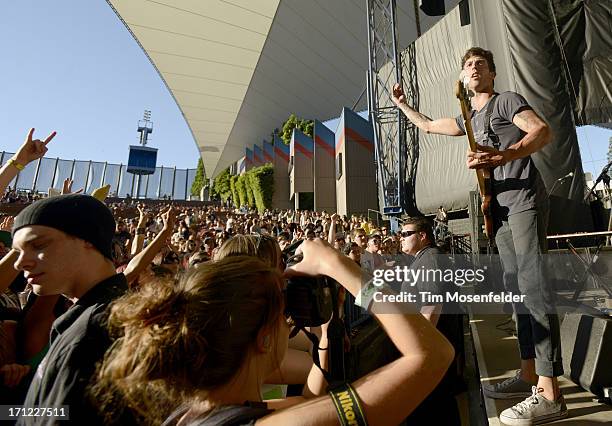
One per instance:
(520, 213)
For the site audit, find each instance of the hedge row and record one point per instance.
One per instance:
(261, 181)
(241, 191)
(254, 188)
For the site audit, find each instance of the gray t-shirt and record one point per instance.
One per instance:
(517, 185)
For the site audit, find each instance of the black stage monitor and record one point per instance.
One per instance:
(142, 160)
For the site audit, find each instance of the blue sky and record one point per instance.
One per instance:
(593, 143)
(71, 66)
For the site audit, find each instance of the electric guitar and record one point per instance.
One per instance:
(483, 174)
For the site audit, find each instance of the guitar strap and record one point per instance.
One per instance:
(488, 130)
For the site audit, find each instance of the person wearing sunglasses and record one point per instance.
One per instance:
(417, 239)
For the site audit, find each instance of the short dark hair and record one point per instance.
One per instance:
(348, 248)
(479, 51)
(421, 224)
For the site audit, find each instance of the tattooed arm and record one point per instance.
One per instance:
(538, 134)
(441, 126)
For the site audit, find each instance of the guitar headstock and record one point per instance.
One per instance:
(461, 89)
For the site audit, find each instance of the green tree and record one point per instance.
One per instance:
(221, 185)
(305, 126)
(199, 181)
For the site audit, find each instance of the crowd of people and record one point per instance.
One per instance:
(179, 315)
(133, 313)
(14, 196)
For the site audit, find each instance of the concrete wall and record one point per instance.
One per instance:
(301, 168)
(324, 168)
(356, 190)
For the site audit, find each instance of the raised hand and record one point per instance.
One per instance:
(142, 220)
(314, 255)
(398, 96)
(67, 187)
(7, 223)
(32, 149)
(169, 218)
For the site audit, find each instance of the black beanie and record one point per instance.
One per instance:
(78, 215)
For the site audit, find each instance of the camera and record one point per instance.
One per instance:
(308, 300)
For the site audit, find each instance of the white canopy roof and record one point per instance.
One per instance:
(238, 68)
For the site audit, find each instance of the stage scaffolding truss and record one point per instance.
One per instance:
(395, 139)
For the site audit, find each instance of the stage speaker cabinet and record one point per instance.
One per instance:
(586, 347)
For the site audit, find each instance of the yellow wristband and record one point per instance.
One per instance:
(16, 164)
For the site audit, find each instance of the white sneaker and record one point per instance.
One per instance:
(534, 410)
(513, 387)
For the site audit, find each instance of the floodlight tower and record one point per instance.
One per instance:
(138, 163)
(145, 127)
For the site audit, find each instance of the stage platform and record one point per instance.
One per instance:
(497, 356)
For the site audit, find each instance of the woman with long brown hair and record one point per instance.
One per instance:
(208, 343)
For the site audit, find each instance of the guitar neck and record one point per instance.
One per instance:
(467, 121)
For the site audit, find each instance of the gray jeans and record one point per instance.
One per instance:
(521, 241)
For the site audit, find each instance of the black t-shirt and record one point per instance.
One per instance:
(449, 322)
(517, 185)
(79, 339)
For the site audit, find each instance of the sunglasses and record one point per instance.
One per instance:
(406, 234)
